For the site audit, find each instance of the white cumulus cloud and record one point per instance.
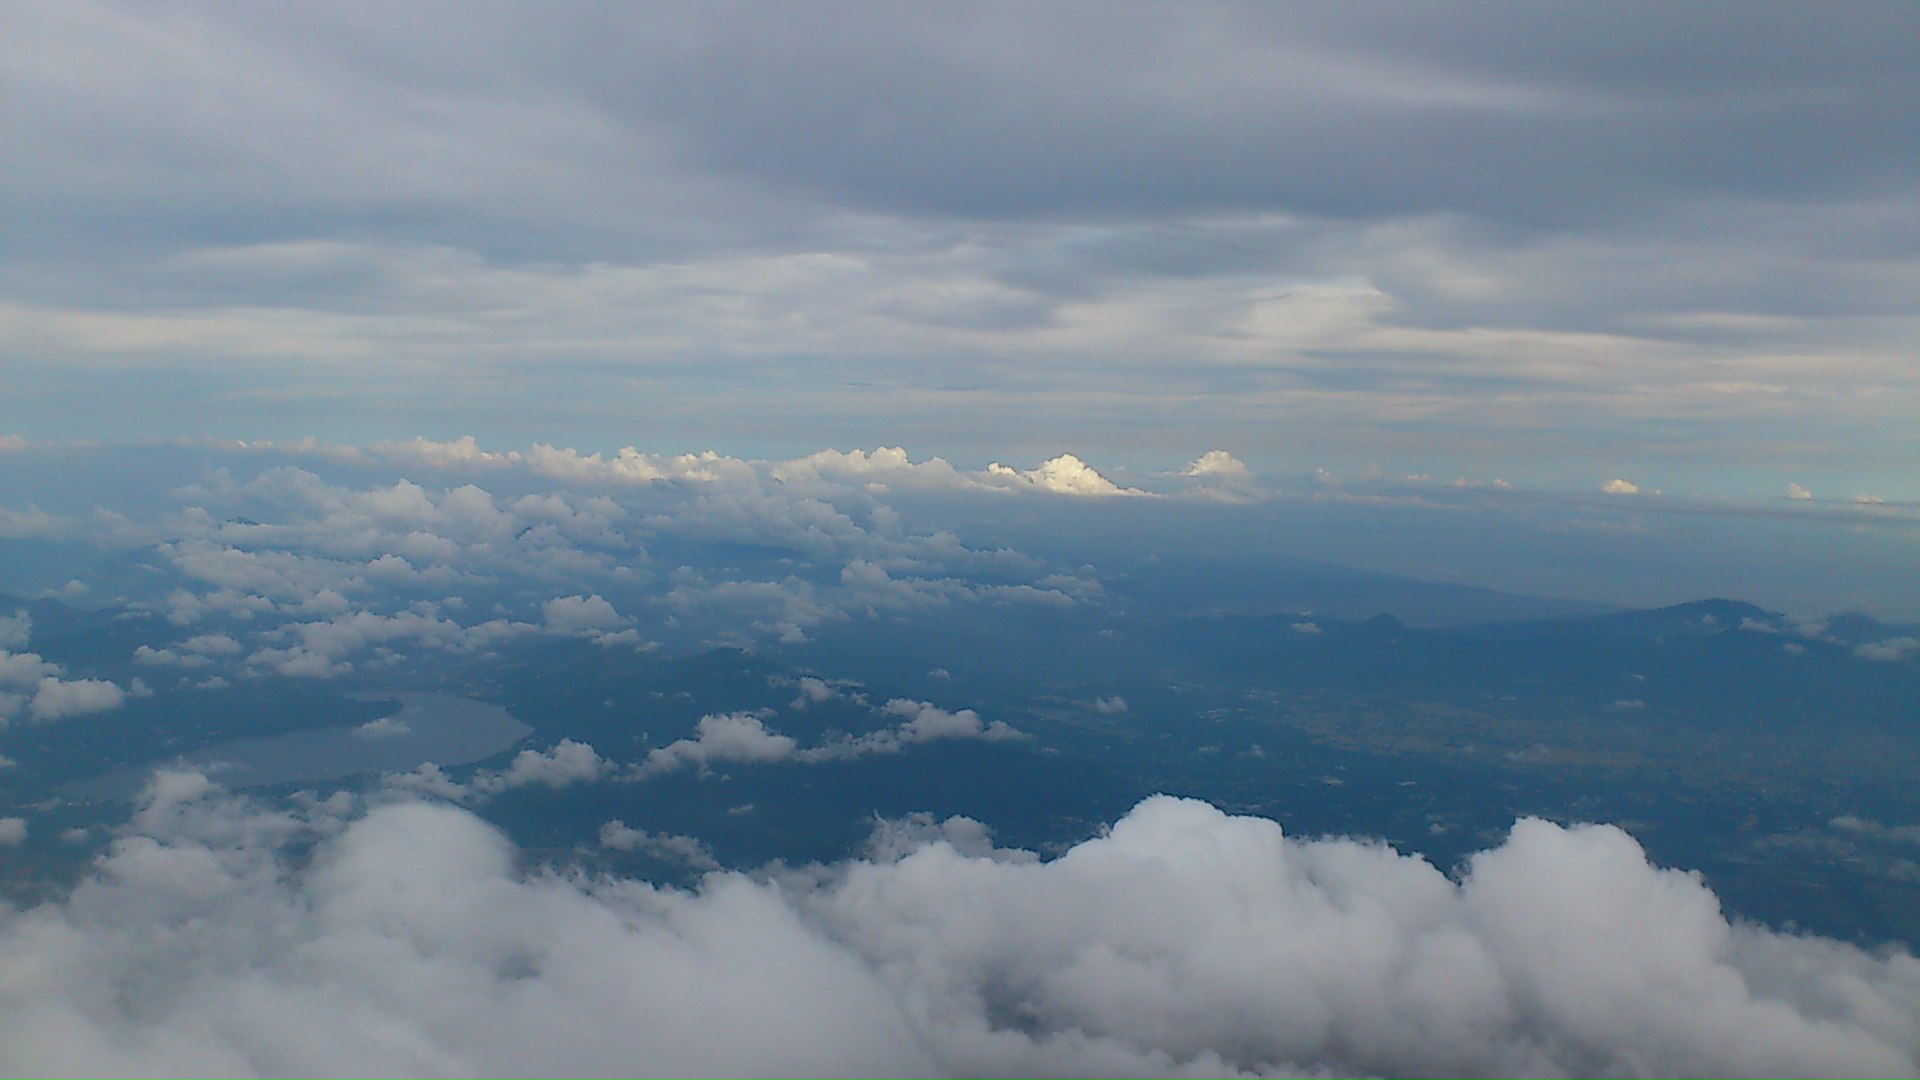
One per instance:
(579, 614)
(1221, 475)
(57, 699)
(723, 737)
(1182, 942)
(1063, 475)
(569, 762)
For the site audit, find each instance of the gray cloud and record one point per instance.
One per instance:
(1320, 110)
(1184, 942)
(1892, 649)
(1521, 232)
(1512, 114)
(16, 629)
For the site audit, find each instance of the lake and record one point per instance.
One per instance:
(440, 728)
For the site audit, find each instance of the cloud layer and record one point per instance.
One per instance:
(1183, 941)
(316, 560)
(1313, 228)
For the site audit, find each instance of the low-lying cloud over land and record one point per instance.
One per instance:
(1183, 941)
(309, 559)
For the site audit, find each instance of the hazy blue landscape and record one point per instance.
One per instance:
(1731, 738)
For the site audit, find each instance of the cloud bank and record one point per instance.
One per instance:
(1183, 941)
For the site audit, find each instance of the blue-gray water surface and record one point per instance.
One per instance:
(439, 728)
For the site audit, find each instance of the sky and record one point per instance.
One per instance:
(1559, 245)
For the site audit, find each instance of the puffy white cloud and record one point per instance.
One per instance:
(722, 737)
(920, 722)
(211, 645)
(57, 699)
(581, 614)
(1182, 942)
(47, 695)
(387, 727)
(411, 947)
(197, 651)
(185, 608)
(1218, 464)
(885, 467)
(1222, 476)
(565, 764)
(813, 691)
(569, 762)
(300, 662)
(923, 721)
(24, 670)
(1620, 487)
(427, 779)
(744, 737)
(1063, 475)
(13, 831)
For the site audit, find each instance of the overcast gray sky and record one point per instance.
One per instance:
(1560, 244)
